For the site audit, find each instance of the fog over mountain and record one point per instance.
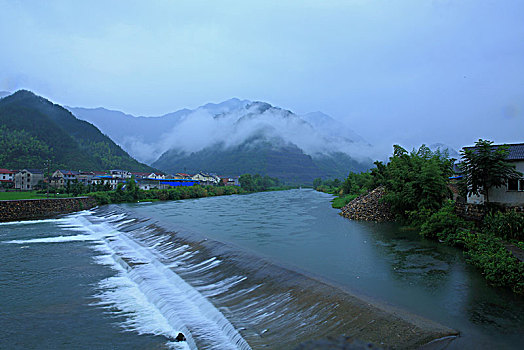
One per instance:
(226, 125)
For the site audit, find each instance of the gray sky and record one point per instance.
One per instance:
(403, 72)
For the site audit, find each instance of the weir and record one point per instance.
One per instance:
(184, 308)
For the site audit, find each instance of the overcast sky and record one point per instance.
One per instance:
(405, 72)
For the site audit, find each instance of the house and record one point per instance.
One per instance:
(206, 179)
(85, 177)
(512, 194)
(139, 175)
(230, 181)
(28, 179)
(107, 179)
(182, 176)
(148, 184)
(120, 174)
(61, 177)
(6, 176)
(156, 176)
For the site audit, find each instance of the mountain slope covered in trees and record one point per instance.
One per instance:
(33, 129)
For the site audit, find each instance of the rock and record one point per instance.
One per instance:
(369, 207)
(180, 337)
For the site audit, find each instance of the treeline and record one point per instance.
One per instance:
(131, 193)
(418, 193)
(257, 183)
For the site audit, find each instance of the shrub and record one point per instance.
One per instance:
(445, 225)
(508, 225)
(498, 265)
(100, 197)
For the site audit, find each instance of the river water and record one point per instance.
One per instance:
(266, 270)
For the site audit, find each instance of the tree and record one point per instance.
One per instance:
(416, 182)
(484, 167)
(246, 182)
(132, 188)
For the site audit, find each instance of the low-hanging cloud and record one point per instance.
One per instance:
(208, 127)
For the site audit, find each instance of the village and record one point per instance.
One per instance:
(36, 179)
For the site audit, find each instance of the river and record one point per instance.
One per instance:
(266, 270)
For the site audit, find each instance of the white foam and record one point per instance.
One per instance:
(154, 299)
(59, 239)
(31, 222)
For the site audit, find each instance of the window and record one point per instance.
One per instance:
(513, 185)
(521, 185)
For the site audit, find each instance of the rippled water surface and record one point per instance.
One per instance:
(220, 270)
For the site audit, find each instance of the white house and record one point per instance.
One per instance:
(155, 176)
(107, 179)
(206, 179)
(6, 175)
(512, 194)
(120, 174)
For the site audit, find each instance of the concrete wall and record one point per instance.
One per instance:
(501, 194)
(29, 209)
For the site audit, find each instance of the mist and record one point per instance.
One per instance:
(230, 124)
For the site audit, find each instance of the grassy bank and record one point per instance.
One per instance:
(29, 195)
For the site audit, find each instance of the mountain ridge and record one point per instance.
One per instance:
(34, 129)
(215, 134)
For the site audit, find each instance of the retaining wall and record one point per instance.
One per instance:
(27, 209)
(478, 211)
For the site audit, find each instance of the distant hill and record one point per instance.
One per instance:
(238, 136)
(258, 155)
(452, 153)
(4, 94)
(33, 129)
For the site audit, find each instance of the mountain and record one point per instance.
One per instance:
(137, 135)
(238, 136)
(4, 94)
(33, 129)
(452, 153)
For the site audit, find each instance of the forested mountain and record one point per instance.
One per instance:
(238, 136)
(33, 129)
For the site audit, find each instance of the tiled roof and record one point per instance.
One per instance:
(6, 171)
(69, 172)
(516, 151)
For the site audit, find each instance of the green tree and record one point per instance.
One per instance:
(416, 182)
(132, 188)
(485, 167)
(246, 182)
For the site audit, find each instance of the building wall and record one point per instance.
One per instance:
(501, 194)
(27, 181)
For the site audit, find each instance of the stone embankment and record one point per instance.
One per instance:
(29, 209)
(368, 207)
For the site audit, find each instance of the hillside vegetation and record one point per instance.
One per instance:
(33, 129)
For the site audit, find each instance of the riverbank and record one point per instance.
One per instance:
(133, 194)
(482, 237)
(30, 209)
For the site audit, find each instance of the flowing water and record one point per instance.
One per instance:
(267, 270)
